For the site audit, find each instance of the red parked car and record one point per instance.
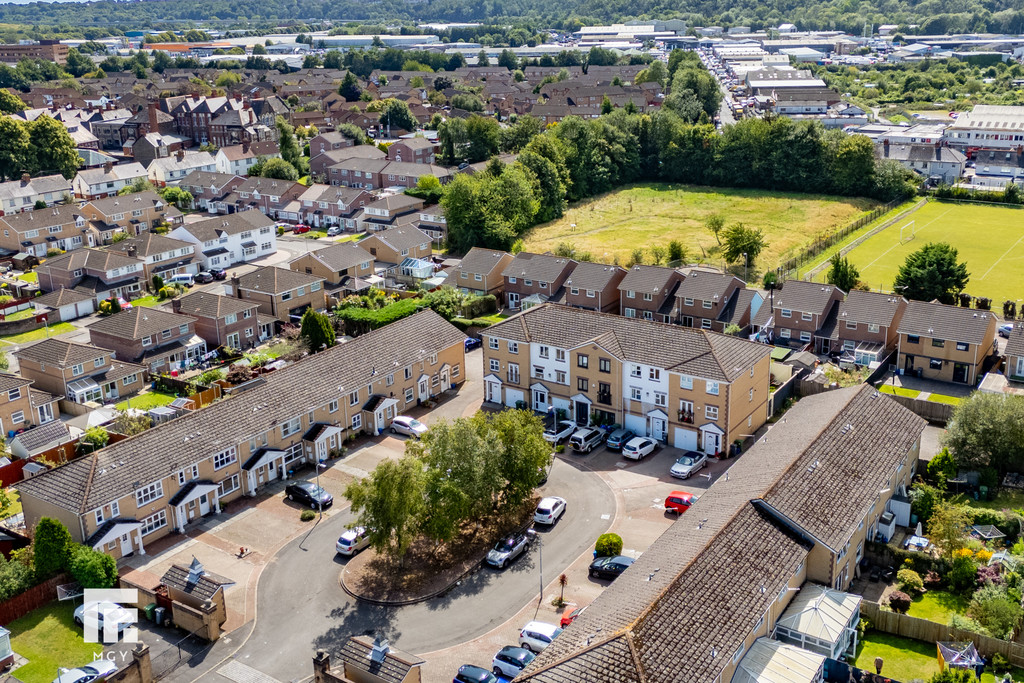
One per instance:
(571, 616)
(300, 228)
(679, 502)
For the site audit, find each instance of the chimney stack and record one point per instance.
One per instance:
(938, 151)
(885, 148)
(26, 179)
(245, 147)
(176, 304)
(108, 166)
(180, 155)
(153, 123)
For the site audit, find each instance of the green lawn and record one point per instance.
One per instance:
(30, 276)
(21, 315)
(987, 237)
(351, 238)
(905, 659)
(644, 215)
(15, 507)
(1006, 499)
(898, 391)
(940, 398)
(147, 301)
(36, 335)
(49, 640)
(146, 401)
(938, 606)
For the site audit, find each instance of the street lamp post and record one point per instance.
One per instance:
(532, 533)
(746, 266)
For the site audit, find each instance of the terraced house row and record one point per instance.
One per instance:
(138, 490)
(694, 389)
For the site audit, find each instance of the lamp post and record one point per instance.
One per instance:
(534, 536)
(746, 266)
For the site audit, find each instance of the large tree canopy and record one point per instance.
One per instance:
(932, 272)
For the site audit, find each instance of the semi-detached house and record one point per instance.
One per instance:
(945, 343)
(61, 227)
(22, 195)
(129, 494)
(223, 241)
(693, 389)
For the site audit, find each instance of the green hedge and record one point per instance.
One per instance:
(480, 305)
(360, 320)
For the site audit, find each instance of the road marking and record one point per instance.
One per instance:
(606, 516)
(621, 464)
(1012, 247)
(243, 673)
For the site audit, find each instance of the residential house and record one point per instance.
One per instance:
(534, 277)
(945, 343)
(209, 188)
(945, 164)
(269, 195)
(22, 406)
(402, 253)
(355, 172)
(1014, 352)
(417, 150)
(155, 146)
(63, 305)
(238, 159)
(326, 142)
(224, 320)
(134, 214)
(329, 205)
(61, 226)
(159, 340)
(706, 299)
(790, 523)
(79, 372)
(865, 326)
(281, 293)
(801, 314)
(134, 492)
(227, 240)
(432, 221)
(107, 181)
(693, 389)
(238, 126)
(480, 272)
(321, 160)
(388, 211)
(94, 272)
(161, 255)
(24, 194)
(647, 291)
(344, 265)
(593, 286)
(405, 174)
(173, 169)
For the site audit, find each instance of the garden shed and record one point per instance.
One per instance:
(821, 620)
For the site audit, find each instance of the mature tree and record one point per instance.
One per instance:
(317, 331)
(54, 148)
(482, 137)
(508, 59)
(452, 137)
(894, 181)
(548, 185)
(842, 273)
(139, 185)
(290, 151)
(389, 503)
(946, 526)
(92, 568)
(655, 73)
(932, 272)
(394, 114)
(428, 188)
(333, 59)
(51, 547)
(277, 168)
(518, 135)
(349, 88)
(740, 240)
(606, 105)
(10, 103)
(78, 64)
(521, 453)
(131, 424)
(986, 430)
(715, 223)
(481, 59)
(178, 196)
(15, 148)
(464, 212)
(599, 56)
(853, 172)
(467, 102)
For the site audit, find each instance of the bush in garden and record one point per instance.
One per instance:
(899, 602)
(92, 568)
(608, 545)
(994, 608)
(932, 580)
(52, 547)
(307, 515)
(909, 581)
(963, 574)
(989, 575)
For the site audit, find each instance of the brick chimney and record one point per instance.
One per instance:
(885, 148)
(245, 147)
(153, 123)
(26, 179)
(108, 166)
(176, 304)
(238, 97)
(938, 151)
(235, 282)
(180, 155)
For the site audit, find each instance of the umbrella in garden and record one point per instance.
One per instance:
(919, 531)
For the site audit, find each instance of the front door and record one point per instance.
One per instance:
(582, 413)
(513, 300)
(960, 372)
(233, 341)
(687, 321)
(908, 364)
(540, 401)
(659, 428)
(712, 442)
(493, 390)
(424, 389)
(126, 545)
(445, 381)
(204, 505)
(321, 450)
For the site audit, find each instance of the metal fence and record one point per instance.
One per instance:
(179, 653)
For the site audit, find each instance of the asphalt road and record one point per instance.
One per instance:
(302, 607)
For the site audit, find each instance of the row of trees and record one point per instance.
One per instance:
(464, 470)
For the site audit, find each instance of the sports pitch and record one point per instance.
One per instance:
(989, 238)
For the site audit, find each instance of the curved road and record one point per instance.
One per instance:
(301, 606)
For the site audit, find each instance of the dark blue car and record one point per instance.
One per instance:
(472, 343)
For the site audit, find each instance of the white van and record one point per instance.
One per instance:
(182, 279)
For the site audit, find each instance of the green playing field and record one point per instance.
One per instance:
(989, 238)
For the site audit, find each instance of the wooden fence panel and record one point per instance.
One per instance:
(34, 598)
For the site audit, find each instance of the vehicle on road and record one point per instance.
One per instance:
(352, 541)
(571, 616)
(335, 230)
(688, 463)
(219, 274)
(619, 438)
(183, 279)
(638, 447)
(537, 635)
(99, 670)
(549, 510)
(470, 673)
(301, 229)
(511, 660)
(410, 426)
(610, 567)
(508, 549)
(560, 431)
(93, 614)
(1005, 330)
(473, 343)
(203, 277)
(308, 493)
(586, 439)
(679, 502)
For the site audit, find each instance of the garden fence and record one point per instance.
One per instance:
(933, 632)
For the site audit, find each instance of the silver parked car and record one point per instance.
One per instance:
(410, 426)
(688, 463)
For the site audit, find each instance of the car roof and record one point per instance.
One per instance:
(638, 439)
(540, 626)
(680, 494)
(550, 500)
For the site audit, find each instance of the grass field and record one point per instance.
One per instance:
(48, 639)
(147, 401)
(611, 226)
(989, 238)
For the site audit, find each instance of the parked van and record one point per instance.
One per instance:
(186, 279)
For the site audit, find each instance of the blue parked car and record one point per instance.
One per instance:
(619, 438)
(472, 343)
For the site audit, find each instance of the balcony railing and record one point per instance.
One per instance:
(604, 397)
(686, 416)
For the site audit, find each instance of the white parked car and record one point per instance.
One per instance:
(688, 463)
(560, 431)
(410, 426)
(97, 671)
(94, 613)
(549, 510)
(352, 541)
(638, 447)
(537, 635)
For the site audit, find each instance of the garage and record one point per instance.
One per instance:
(512, 397)
(636, 424)
(685, 439)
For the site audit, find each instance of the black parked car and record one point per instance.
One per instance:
(204, 278)
(610, 567)
(310, 494)
(219, 274)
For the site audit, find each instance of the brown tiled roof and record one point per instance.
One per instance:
(59, 214)
(593, 276)
(393, 669)
(93, 259)
(61, 297)
(1015, 344)
(9, 381)
(273, 280)
(139, 322)
(404, 237)
(339, 257)
(946, 322)
(124, 203)
(209, 305)
(679, 349)
(109, 473)
(210, 229)
(648, 279)
(872, 308)
(207, 585)
(804, 297)
(540, 267)
(478, 261)
(60, 353)
(149, 244)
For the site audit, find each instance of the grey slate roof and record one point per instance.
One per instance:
(9, 381)
(61, 297)
(477, 261)
(93, 259)
(946, 322)
(231, 224)
(60, 353)
(1015, 344)
(540, 267)
(207, 585)
(648, 279)
(44, 435)
(150, 244)
(404, 237)
(593, 276)
(704, 286)
(140, 322)
(214, 306)
(273, 280)
(96, 479)
(126, 203)
(803, 297)
(394, 668)
(872, 308)
(679, 349)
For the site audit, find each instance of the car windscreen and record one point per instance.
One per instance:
(685, 460)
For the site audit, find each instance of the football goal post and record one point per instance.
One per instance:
(907, 232)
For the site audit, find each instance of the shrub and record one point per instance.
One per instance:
(167, 292)
(909, 581)
(481, 322)
(608, 545)
(480, 305)
(210, 376)
(995, 610)
(932, 580)
(461, 323)
(158, 283)
(16, 575)
(92, 568)
(307, 515)
(360, 320)
(899, 602)
(951, 675)
(963, 573)
(52, 547)
(942, 466)
(962, 623)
